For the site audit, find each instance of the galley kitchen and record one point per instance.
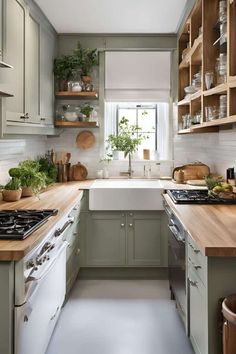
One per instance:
(117, 177)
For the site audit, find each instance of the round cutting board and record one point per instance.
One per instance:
(85, 140)
(79, 172)
(196, 182)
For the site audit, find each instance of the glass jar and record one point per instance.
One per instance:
(223, 66)
(223, 11)
(223, 106)
(209, 79)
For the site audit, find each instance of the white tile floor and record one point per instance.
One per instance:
(119, 317)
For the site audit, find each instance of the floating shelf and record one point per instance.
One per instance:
(207, 127)
(5, 65)
(218, 90)
(219, 122)
(76, 124)
(70, 94)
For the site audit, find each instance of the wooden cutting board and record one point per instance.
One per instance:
(196, 182)
(85, 140)
(79, 172)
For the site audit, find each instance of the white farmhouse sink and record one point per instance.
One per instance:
(126, 194)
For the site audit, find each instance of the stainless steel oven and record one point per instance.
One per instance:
(177, 262)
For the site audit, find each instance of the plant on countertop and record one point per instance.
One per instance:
(127, 139)
(12, 190)
(86, 110)
(87, 59)
(49, 170)
(213, 181)
(32, 180)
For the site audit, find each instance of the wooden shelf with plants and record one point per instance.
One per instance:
(207, 50)
(63, 124)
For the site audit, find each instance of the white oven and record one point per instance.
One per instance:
(38, 302)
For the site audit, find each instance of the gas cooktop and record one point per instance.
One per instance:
(19, 224)
(195, 196)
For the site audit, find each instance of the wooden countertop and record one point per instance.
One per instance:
(212, 227)
(60, 196)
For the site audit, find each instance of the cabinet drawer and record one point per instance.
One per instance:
(197, 261)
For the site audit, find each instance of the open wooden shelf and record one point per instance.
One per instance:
(82, 94)
(198, 128)
(218, 90)
(206, 126)
(186, 101)
(5, 65)
(76, 124)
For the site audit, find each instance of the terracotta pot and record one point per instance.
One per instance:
(86, 79)
(11, 195)
(27, 192)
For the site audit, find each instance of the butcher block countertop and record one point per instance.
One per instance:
(60, 196)
(212, 227)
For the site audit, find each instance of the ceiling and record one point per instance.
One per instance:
(112, 16)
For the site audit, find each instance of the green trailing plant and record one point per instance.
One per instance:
(87, 58)
(28, 172)
(13, 185)
(65, 67)
(127, 139)
(86, 110)
(49, 170)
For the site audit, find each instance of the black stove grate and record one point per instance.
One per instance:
(19, 224)
(196, 196)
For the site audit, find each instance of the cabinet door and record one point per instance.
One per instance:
(1, 27)
(32, 73)
(105, 239)
(144, 239)
(198, 327)
(47, 54)
(14, 53)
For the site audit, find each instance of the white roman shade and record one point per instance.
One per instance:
(137, 76)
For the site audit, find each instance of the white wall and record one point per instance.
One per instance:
(14, 151)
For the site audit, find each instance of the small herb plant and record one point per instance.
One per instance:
(29, 175)
(86, 110)
(48, 169)
(213, 181)
(127, 139)
(13, 185)
(65, 66)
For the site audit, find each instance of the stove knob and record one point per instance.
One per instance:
(39, 261)
(47, 258)
(30, 264)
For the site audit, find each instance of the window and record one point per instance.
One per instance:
(145, 117)
(153, 120)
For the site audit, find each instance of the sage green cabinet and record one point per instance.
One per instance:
(125, 239)
(47, 55)
(105, 239)
(14, 52)
(1, 27)
(144, 239)
(30, 46)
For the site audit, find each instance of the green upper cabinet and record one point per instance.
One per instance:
(47, 55)
(1, 27)
(14, 35)
(32, 72)
(144, 239)
(29, 44)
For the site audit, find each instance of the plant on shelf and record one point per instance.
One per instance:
(87, 58)
(86, 110)
(64, 70)
(32, 180)
(12, 190)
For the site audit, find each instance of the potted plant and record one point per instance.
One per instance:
(126, 141)
(64, 70)
(12, 190)
(32, 180)
(87, 59)
(86, 110)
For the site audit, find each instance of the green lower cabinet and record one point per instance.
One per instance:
(125, 239)
(105, 239)
(144, 239)
(198, 313)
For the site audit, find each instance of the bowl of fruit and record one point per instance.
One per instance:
(219, 188)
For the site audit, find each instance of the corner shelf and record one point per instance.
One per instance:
(82, 94)
(77, 124)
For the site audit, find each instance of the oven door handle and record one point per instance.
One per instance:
(174, 230)
(35, 282)
(61, 231)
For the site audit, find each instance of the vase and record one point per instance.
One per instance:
(11, 195)
(27, 192)
(118, 155)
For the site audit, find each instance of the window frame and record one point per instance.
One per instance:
(138, 107)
